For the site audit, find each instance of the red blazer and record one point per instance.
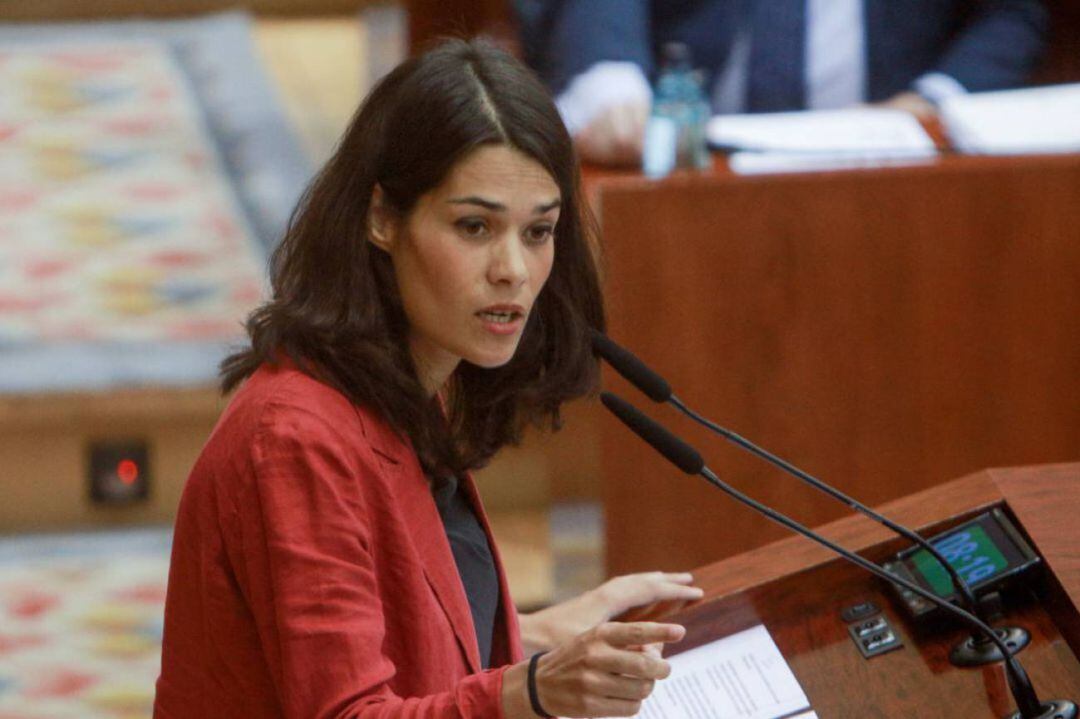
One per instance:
(311, 576)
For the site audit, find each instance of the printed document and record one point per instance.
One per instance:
(743, 676)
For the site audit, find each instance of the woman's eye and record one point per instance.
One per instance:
(540, 234)
(472, 227)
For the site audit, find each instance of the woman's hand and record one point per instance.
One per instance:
(560, 623)
(603, 672)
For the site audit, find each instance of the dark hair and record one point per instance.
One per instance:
(336, 310)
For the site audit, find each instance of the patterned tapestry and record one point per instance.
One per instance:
(146, 169)
(80, 624)
(116, 219)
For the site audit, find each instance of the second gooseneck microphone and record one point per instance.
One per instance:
(687, 459)
(974, 651)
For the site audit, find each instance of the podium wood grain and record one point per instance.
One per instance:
(798, 591)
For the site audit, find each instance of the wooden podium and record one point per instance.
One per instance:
(798, 590)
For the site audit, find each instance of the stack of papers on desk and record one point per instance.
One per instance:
(743, 676)
(821, 140)
(1034, 120)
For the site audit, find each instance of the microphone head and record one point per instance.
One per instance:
(676, 451)
(631, 368)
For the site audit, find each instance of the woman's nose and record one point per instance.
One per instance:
(507, 263)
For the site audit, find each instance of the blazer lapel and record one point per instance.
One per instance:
(428, 534)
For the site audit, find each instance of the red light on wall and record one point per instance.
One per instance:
(127, 472)
(119, 471)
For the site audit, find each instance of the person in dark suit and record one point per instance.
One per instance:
(598, 56)
(331, 555)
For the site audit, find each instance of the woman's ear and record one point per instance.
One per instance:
(382, 223)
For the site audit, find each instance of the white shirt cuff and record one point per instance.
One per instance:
(605, 84)
(938, 87)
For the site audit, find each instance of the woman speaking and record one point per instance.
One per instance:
(431, 298)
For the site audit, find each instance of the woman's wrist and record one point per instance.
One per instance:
(515, 692)
(536, 633)
(548, 628)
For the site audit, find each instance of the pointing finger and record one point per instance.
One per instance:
(619, 634)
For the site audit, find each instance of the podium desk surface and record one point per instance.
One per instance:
(798, 589)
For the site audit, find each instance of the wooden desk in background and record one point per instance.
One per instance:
(882, 329)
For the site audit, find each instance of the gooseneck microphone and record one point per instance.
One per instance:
(974, 651)
(689, 460)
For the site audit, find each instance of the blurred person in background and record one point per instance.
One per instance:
(432, 297)
(598, 56)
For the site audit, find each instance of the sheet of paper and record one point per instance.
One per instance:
(763, 163)
(1032, 120)
(825, 131)
(743, 676)
(821, 140)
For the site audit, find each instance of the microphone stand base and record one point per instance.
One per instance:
(977, 651)
(1053, 709)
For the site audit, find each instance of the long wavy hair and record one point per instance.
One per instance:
(335, 309)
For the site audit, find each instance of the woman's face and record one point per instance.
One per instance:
(471, 258)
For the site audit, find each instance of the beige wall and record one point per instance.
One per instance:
(44, 443)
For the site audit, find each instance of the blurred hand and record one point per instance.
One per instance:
(560, 623)
(615, 136)
(604, 672)
(911, 102)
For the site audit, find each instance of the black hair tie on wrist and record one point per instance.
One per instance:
(534, 697)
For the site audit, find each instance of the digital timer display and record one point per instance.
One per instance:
(971, 553)
(987, 552)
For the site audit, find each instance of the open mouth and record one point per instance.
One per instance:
(499, 317)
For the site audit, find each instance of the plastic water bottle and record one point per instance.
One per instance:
(675, 133)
